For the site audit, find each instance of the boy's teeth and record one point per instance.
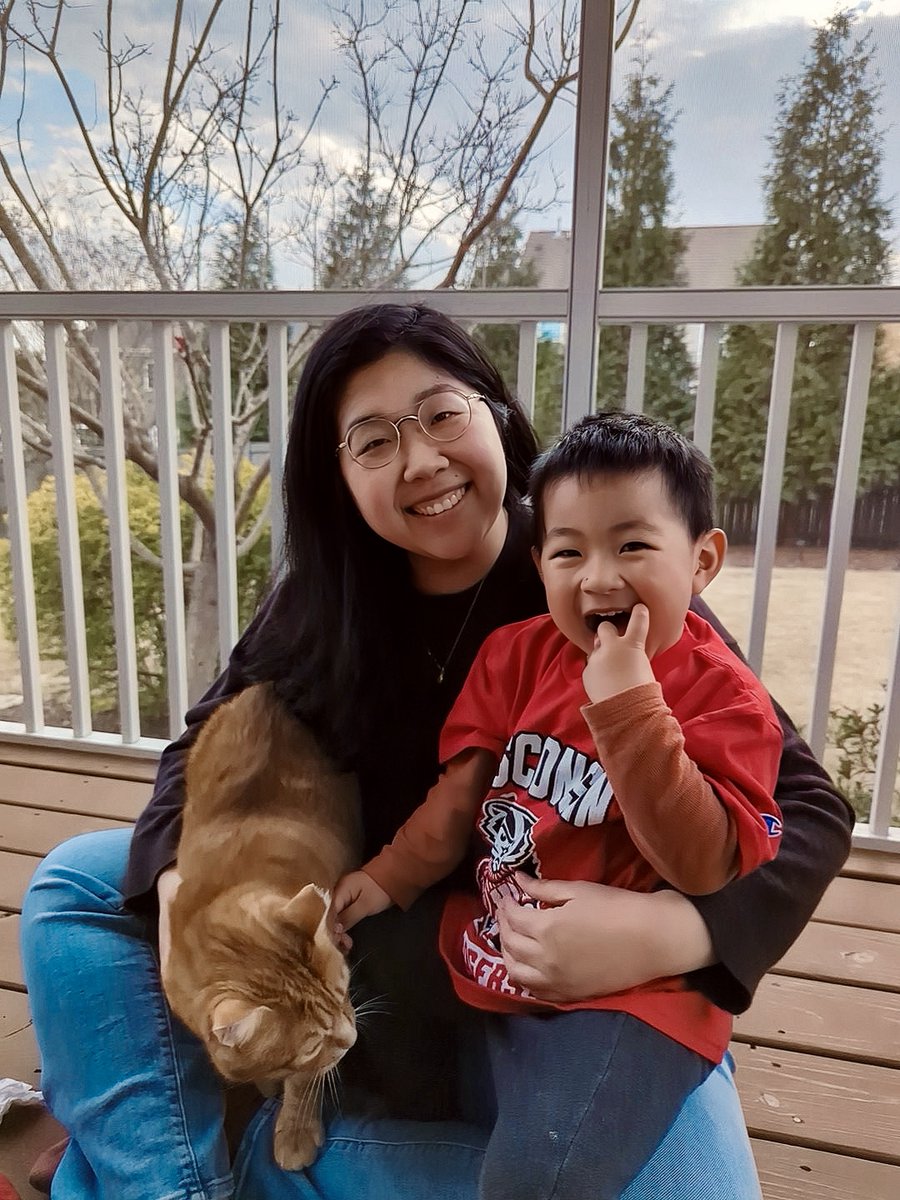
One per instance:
(448, 502)
(595, 618)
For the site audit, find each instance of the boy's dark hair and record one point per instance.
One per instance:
(628, 443)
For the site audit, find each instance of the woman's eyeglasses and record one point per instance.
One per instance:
(443, 416)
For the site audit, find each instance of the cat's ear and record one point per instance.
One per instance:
(308, 909)
(234, 1022)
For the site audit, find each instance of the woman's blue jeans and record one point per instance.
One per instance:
(144, 1107)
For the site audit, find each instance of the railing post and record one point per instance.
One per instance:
(527, 366)
(710, 341)
(841, 526)
(276, 333)
(119, 534)
(637, 368)
(888, 748)
(595, 61)
(223, 468)
(19, 535)
(770, 489)
(67, 518)
(170, 524)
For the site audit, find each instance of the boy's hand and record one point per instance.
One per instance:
(619, 661)
(357, 895)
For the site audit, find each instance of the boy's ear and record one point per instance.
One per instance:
(710, 551)
(536, 556)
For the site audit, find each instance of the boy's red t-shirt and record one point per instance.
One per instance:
(551, 810)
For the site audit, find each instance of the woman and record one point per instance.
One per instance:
(395, 574)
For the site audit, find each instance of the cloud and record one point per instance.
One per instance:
(727, 60)
(736, 15)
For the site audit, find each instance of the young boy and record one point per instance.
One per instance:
(616, 740)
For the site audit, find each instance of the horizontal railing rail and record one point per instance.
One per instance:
(620, 306)
(59, 314)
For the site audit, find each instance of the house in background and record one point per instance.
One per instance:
(713, 258)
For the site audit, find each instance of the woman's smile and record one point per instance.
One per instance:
(439, 504)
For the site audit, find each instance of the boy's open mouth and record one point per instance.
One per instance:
(619, 619)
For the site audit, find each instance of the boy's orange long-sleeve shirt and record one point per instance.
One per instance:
(670, 781)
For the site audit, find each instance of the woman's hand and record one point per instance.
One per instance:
(357, 895)
(167, 885)
(593, 940)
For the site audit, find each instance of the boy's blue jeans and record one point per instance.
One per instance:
(144, 1108)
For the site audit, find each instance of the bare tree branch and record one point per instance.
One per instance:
(632, 9)
(245, 502)
(451, 123)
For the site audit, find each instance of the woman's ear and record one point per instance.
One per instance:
(710, 555)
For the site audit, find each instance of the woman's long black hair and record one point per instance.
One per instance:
(335, 644)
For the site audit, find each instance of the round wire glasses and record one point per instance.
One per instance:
(443, 416)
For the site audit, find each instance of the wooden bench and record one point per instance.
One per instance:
(818, 1054)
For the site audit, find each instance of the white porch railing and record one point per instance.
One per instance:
(787, 308)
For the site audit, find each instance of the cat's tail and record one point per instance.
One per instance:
(233, 748)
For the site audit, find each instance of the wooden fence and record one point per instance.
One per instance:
(876, 520)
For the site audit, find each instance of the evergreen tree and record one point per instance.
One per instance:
(497, 262)
(360, 248)
(242, 260)
(641, 248)
(826, 224)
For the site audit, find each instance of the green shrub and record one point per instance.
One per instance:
(856, 736)
(147, 583)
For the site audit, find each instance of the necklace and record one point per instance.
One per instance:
(442, 666)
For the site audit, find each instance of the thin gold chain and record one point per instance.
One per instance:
(442, 666)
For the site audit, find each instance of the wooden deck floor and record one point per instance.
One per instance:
(818, 1054)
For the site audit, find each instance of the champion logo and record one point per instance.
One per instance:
(773, 824)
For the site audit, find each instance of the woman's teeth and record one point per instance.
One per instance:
(449, 501)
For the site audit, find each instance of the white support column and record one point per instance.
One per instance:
(170, 524)
(278, 426)
(770, 491)
(637, 369)
(589, 205)
(119, 534)
(710, 341)
(525, 374)
(841, 526)
(223, 460)
(888, 750)
(19, 534)
(67, 521)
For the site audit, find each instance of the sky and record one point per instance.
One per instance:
(725, 59)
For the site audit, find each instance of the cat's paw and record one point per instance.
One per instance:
(297, 1146)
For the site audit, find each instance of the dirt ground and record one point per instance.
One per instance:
(869, 615)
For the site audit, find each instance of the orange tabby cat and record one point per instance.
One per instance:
(253, 970)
